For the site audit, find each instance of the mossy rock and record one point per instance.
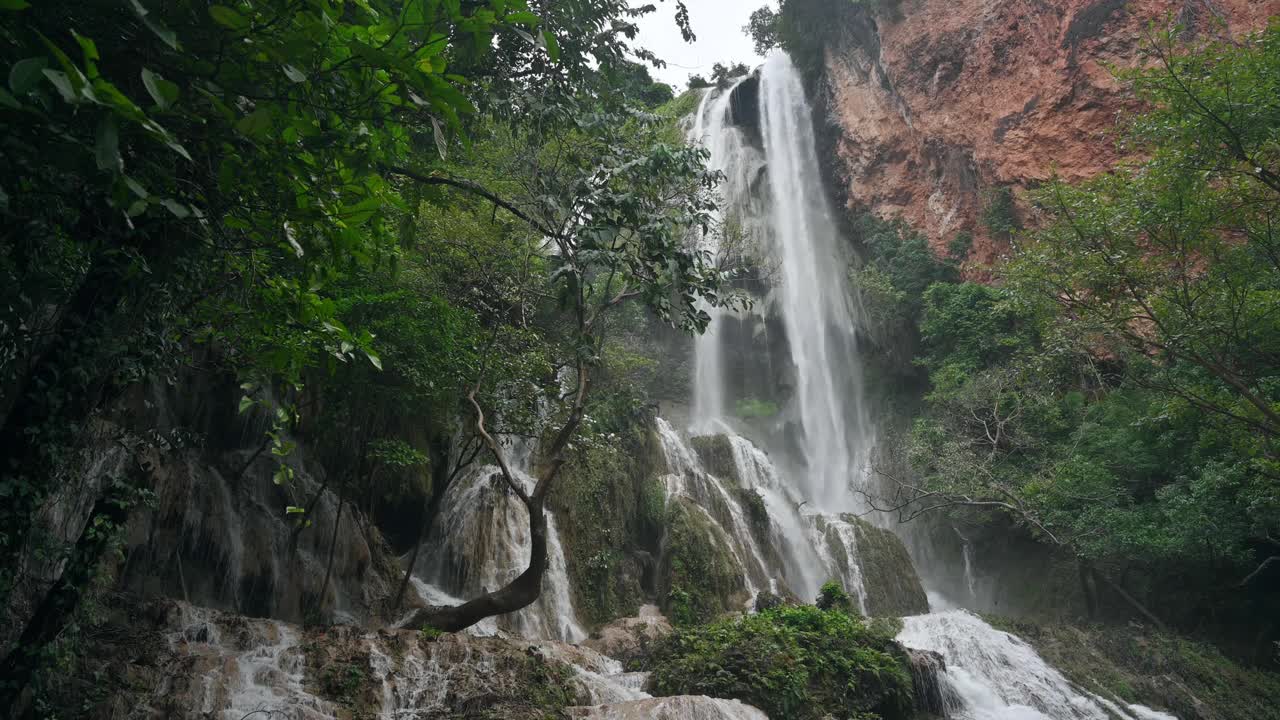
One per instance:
(888, 575)
(1138, 664)
(699, 576)
(893, 588)
(716, 453)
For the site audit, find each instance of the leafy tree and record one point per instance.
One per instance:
(238, 175)
(1119, 395)
(762, 26)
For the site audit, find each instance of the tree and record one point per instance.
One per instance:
(612, 210)
(762, 26)
(182, 174)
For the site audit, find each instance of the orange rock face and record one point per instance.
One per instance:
(949, 99)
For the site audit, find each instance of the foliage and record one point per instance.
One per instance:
(365, 211)
(1000, 213)
(790, 661)
(754, 408)
(832, 596)
(762, 27)
(1118, 394)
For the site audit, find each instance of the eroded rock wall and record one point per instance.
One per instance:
(938, 102)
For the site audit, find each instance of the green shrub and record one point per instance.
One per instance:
(797, 662)
(752, 408)
(832, 596)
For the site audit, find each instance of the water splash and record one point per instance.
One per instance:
(1000, 677)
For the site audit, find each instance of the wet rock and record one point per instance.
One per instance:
(679, 707)
(631, 639)
(716, 454)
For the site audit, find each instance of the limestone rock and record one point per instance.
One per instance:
(629, 639)
(678, 707)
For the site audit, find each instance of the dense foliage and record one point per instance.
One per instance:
(1117, 391)
(361, 211)
(791, 661)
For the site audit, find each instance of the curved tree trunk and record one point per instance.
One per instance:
(517, 594)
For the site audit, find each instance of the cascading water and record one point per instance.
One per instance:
(999, 677)
(814, 299)
(482, 542)
(740, 215)
(989, 675)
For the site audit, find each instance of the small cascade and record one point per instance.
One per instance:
(836, 541)
(678, 707)
(246, 668)
(997, 676)
(482, 542)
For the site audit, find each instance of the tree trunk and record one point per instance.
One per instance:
(110, 511)
(517, 594)
(1133, 602)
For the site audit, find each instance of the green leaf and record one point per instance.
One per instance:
(552, 45)
(294, 74)
(162, 91)
(256, 123)
(9, 100)
(373, 358)
(246, 402)
(161, 30)
(224, 15)
(523, 17)
(180, 211)
(63, 84)
(14, 4)
(25, 74)
(294, 510)
(107, 147)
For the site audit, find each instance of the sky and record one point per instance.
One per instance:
(718, 25)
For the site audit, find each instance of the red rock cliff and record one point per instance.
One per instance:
(940, 101)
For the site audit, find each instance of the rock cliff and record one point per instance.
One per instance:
(939, 104)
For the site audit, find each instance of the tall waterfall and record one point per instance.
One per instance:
(773, 196)
(816, 305)
(791, 220)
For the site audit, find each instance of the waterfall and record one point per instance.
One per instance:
(973, 671)
(740, 218)
(481, 542)
(815, 302)
(999, 677)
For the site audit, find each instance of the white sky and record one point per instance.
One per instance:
(718, 25)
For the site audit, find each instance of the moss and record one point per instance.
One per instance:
(683, 104)
(716, 453)
(796, 662)
(598, 504)
(757, 513)
(699, 578)
(890, 579)
(337, 667)
(1139, 665)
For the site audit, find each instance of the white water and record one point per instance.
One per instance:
(995, 676)
(1000, 677)
(815, 302)
(737, 232)
(481, 542)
